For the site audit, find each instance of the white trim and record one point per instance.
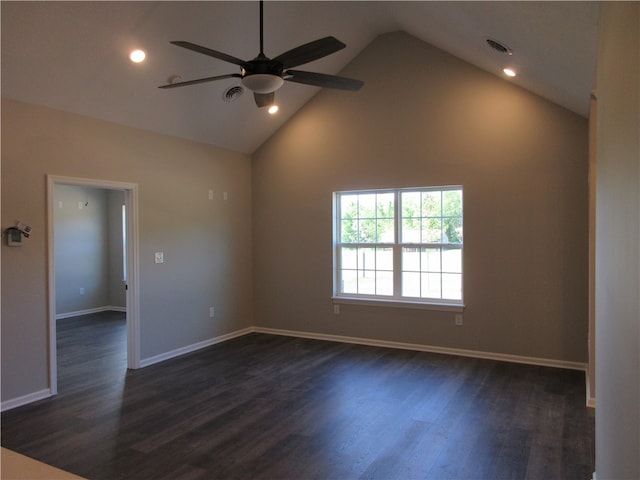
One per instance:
(89, 311)
(381, 302)
(544, 362)
(25, 399)
(194, 347)
(591, 399)
(133, 277)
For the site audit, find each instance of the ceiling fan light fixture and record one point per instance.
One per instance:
(262, 82)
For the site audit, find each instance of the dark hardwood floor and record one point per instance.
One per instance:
(272, 407)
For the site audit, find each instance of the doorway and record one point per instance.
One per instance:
(129, 259)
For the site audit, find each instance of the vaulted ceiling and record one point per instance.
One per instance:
(73, 56)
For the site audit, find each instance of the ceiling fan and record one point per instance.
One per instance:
(263, 76)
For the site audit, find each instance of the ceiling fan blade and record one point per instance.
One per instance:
(200, 80)
(209, 52)
(264, 99)
(323, 80)
(309, 52)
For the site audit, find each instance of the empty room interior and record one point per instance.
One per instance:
(308, 239)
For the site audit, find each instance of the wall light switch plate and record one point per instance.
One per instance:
(159, 257)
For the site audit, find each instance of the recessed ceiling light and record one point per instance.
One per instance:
(273, 109)
(509, 72)
(137, 56)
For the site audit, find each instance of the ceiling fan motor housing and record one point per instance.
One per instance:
(262, 75)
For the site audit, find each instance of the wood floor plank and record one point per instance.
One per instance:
(274, 407)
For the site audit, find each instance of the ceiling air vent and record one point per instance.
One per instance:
(498, 46)
(232, 93)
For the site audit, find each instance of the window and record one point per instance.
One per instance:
(401, 246)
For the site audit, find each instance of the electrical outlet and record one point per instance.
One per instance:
(159, 257)
(81, 290)
(458, 319)
(212, 312)
(210, 194)
(336, 309)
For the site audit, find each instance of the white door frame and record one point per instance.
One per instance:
(133, 297)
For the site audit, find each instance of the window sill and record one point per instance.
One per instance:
(375, 302)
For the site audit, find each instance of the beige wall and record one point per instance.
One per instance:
(426, 118)
(618, 243)
(206, 244)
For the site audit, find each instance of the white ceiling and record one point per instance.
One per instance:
(73, 56)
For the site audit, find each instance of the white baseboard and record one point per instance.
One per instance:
(23, 400)
(591, 399)
(544, 362)
(13, 403)
(113, 308)
(88, 311)
(193, 347)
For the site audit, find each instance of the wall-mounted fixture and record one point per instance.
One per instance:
(15, 234)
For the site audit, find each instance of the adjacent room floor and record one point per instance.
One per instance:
(274, 407)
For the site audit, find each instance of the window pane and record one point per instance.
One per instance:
(384, 283)
(349, 282)
(349, 258)
(431, 204)
(452, 205)
(411, 259)
(349, 206)
(349, 231)
(384, 259)
(385, 231)
(430, 285)
(411, 204)
(367, 205)
(452, 286)
(452, 230)
(385, 205)
(410, 230)
(366, 258)
(430, 260)
(452, 260)
(367, 282)
(431, 230)
(367, 233)
(410, 284)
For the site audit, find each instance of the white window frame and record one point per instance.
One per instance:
(395, 300)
